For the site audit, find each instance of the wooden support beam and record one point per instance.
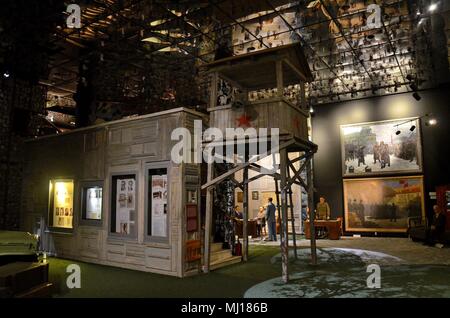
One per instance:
(245, 164)
(299, 158)
(208, 221)
(291, 205)
(296, 70)
(245, 219)
(213, 90)
(303, 96)
(311, 214)
(237, 183)
(232, 82)
(279, 74)
(298, 172)
(284, 223)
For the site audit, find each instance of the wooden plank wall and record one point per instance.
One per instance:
(95, 154)
(276, 113)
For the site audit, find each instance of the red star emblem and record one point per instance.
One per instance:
(244, 120)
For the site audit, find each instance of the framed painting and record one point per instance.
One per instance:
(255, 195)
(240, 197)
(383, 147)
(382, 204)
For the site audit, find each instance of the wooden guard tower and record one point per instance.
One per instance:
(271, 69)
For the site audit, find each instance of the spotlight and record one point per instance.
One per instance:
(432, 122)
(311, 110)
(6, 74)
(398, 132)
(417, 96)
(432, 7)
(412, 128)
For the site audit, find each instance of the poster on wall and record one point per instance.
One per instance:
(125, 205)
(94, 203)
(63, 204)
(382, 204)
(159, 205)
(382, 147)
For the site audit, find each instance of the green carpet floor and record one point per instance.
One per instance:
(340, 273)
(106, 281)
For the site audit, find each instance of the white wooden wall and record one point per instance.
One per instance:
(95, 153)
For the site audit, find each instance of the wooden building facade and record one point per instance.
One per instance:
(110, 194)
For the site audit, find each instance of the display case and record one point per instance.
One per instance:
(91, 203)
(61, 204)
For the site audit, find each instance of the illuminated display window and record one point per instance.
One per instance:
(157, 204)
(91, 203)
(123, 205)
(61, 203)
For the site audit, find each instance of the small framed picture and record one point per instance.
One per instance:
(255, 195)
(240, 197)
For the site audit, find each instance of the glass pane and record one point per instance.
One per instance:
(62, 207)
(157, 203)
(93, 203)
(123, 205)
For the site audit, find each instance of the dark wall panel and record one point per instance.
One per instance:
(435, 139)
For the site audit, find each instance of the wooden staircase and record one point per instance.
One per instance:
(221, 258)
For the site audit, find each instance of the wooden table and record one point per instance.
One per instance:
(251, 228)
(333, 227)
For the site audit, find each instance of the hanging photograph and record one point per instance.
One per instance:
(159, 205)
(382, 204)
(383, 147)
(125, 203)
(93, 203)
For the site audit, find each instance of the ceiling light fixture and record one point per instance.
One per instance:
(432, 7)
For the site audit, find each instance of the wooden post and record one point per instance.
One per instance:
(284, 223)
(311, 212)
(245, 218)
(302, 96)
(291, 205)
(209, 191)
(277, 194)
(279, 74)
(208, 220)
(213, 90)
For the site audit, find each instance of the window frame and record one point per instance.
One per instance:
(84, 185)
(147, 215)
(112, 204)
(51, 202)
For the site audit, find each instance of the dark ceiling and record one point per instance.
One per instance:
(145, 51)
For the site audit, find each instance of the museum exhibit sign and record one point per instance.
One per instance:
(381, 147)
(61, 203)
(382, 204)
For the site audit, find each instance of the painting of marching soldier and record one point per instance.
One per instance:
(382, 204)
(381, 147)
